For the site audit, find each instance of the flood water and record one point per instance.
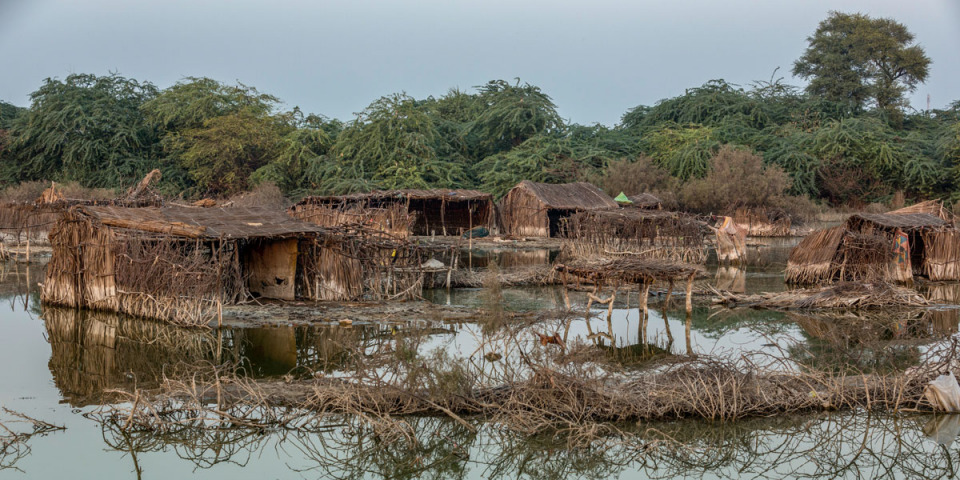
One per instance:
(60, 364)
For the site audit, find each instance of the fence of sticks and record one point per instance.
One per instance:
(623, 273)
(182, 264)
(763, 222)
(635, 233)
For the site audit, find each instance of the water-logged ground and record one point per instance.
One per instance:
(60, 362)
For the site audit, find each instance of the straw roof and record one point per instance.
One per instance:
(569, 196)
(405, 194)
(904, 221)
(930, 207)
(645, 200)
(235, 222)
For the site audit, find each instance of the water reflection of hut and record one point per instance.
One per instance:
(421, 212)
(894, 246)
(536, 209)
(181, 263)
(637, 233)
(94, 351)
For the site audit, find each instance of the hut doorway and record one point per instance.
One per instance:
(270, 268)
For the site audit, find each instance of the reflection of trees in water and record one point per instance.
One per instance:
(849, 445)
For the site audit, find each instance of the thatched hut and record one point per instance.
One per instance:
(637, 233)
(181, 264)
(645, 201)
(893, 246)
(422, 212)
(536, 209)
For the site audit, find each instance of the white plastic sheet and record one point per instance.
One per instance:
(944, 393)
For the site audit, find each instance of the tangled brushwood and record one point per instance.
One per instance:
(532, 390)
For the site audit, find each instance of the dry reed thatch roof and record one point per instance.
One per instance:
(405, 194)
(236, 222)
(817, 248)
(903, 221)
(569, 196)
(929, 207)
(645, 200)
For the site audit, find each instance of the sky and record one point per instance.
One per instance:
(596, 59)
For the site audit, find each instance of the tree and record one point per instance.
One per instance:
(857, 59)
(513, 114)
(214, 135)
(87, 129)
(392, 144)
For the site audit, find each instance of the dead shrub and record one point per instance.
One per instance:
(736, 179)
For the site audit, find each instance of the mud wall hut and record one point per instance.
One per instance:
(428, 212)
(894, 246)
(637, 233)
(181, 264)
(536, 209)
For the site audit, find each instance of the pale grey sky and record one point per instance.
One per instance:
(595, 58)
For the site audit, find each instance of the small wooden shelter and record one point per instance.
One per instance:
(894, 246)
(423, 212)
(647, 201)
(623, 273)
(536, 209)
(181, 264)
(635, 232)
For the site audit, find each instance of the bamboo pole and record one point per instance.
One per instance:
(610, 300)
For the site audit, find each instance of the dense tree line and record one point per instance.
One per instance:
(847, 138)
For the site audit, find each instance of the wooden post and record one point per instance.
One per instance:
(689, 313)
(644, 294)
(28, 250)
(666, 319)
(613, 296)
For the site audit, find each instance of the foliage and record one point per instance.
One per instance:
(392, 144)
(638, 175)
(512, 114)
(684, 151)
(855, 58)
(737, 178)
(221, 154)
(85, 128)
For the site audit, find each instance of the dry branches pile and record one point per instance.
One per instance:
(848, 295)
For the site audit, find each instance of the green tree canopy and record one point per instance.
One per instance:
(87, 129)
(512, 114)
(856, 59)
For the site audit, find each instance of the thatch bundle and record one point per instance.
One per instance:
(636, 233)
(536, 209)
